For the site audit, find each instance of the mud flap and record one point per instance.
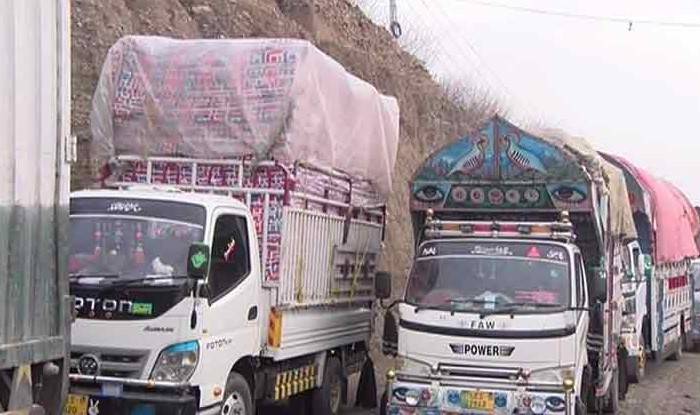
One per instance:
(367, 387)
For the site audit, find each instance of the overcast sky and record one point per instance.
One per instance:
(634, 93)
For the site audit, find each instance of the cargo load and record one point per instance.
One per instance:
(280, 99)
(673, 218)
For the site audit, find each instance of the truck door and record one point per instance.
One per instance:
(233, 288)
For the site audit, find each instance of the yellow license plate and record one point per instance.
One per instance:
(481, 401)
(76, 405)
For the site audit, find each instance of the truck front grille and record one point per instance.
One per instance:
(120, 363)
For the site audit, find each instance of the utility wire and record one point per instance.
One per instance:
(480, 61)
(589, 17)
(443, 53)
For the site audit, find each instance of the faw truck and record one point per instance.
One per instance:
(35, 152)
(229, 253)
(513, 303)
(658, 287)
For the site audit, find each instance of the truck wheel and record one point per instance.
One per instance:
(237, 400)
(383, 403)
(612, 398)
(678, 352)
(636, 367)
(327, 399)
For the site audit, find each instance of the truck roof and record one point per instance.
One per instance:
(207, 200)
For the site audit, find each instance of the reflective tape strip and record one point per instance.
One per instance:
(294, 381)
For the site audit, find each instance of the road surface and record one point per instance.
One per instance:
(671, 388)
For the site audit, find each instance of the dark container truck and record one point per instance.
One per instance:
(513, 301)
(34, 180)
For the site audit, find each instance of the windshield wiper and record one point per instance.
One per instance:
(78, 277)
(511, 308)
(129, 281)
(455, 301)
(449, 306)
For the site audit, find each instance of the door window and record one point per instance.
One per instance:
(230, 255)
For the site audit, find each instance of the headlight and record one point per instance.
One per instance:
(177, 362)
(417, 367)
(551, 375)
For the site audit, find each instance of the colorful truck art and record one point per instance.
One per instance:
(470, 173)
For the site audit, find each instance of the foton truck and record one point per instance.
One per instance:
(234, 258)
(35, 151)
(658, 288)
(514, 298)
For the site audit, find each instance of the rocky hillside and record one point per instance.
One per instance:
(429, 115)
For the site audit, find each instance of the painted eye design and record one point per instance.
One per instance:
(429, 194)
(569, 194)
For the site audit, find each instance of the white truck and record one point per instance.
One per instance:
(205, 285)
(513, 303)
(658, 285)
(35, 152)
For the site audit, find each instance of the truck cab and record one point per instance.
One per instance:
(142, 322)
(494, 318)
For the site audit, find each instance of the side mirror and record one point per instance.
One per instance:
(390, 338)
(198, 261)
(599, 286)
(382, 285)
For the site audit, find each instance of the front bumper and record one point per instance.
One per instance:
(445, 397)
(105, 395)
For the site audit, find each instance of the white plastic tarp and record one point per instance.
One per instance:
(613, 179)
(278, 98)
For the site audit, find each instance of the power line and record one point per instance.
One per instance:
(480, 60)
(589, 17)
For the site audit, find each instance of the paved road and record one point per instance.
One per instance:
(671, 388)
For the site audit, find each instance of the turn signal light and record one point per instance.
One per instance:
(274, 331)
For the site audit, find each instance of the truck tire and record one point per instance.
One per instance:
(611, 404)
(328, 399)
(636, 368)
(238, 399)
(678, 352)
(383, 402)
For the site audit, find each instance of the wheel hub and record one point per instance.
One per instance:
(233, 405)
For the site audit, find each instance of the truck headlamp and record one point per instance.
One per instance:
(418, 367)
(552, 375)
(176, 363)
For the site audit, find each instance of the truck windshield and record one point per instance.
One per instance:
(489, 276)
(125, 243)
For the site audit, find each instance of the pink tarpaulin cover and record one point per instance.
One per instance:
(224, 98)
(675, 220)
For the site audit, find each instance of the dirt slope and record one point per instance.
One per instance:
(428, 115)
